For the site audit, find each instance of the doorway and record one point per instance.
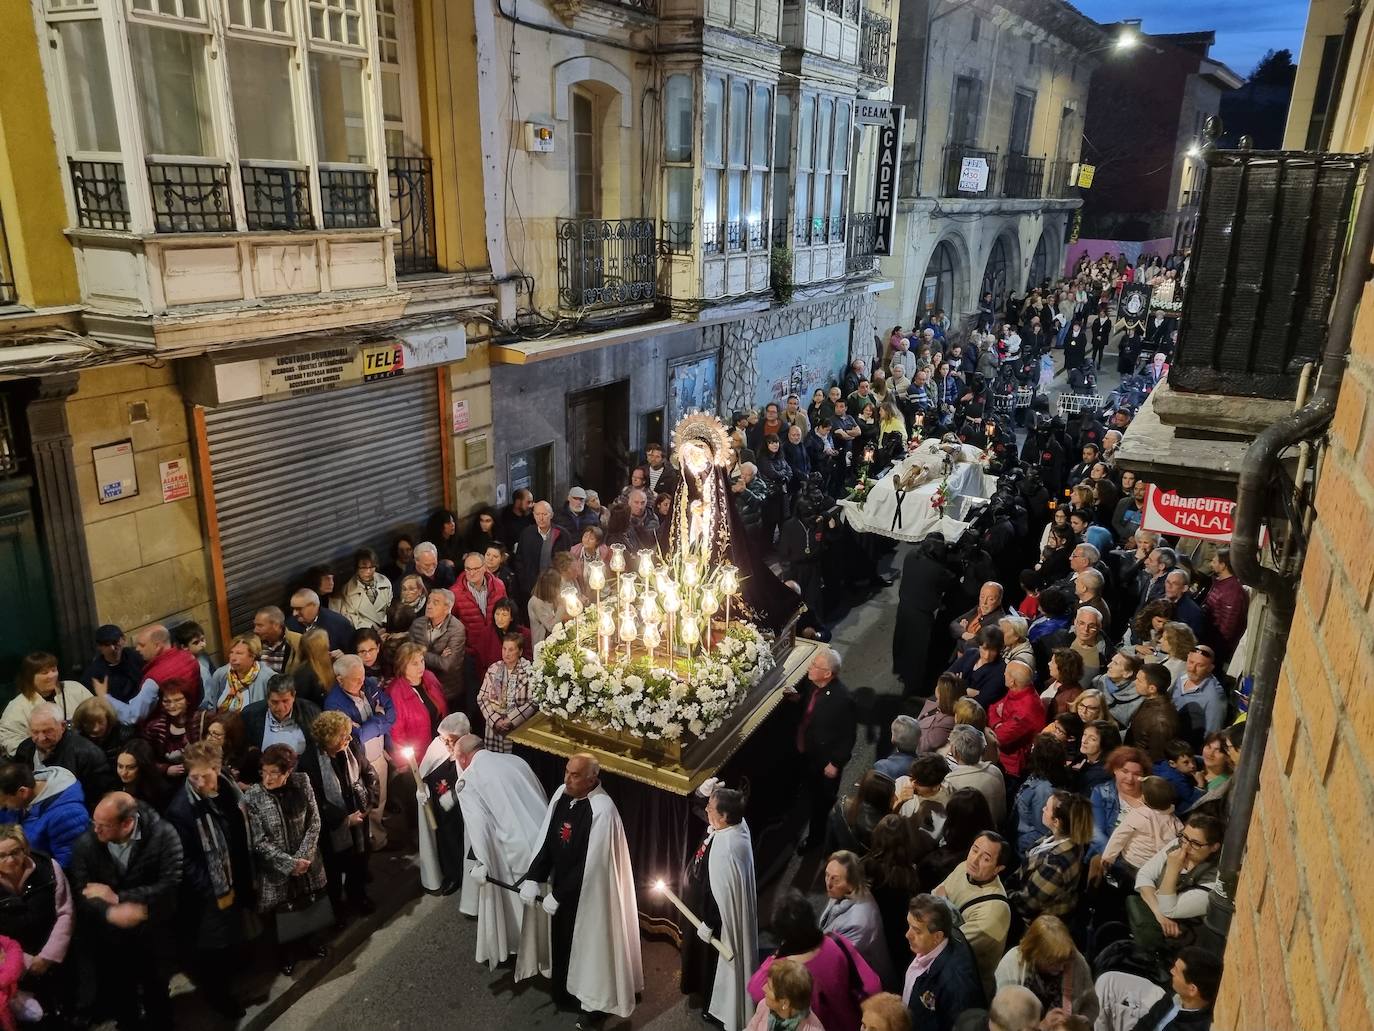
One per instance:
(599, 438)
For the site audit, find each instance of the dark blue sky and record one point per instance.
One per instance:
(1245, 28)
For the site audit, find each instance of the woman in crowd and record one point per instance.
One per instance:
(786, 1002)
(663, 508)
(1066, 681)
(217, 883)
(366, 598)
(840, 975)
(1015, 646)
(347, 792)
(591, 548)
(1047, 962)
(1060, 518)
(37, 910)
(496, 557)
(441, 530)
(545, 608)
(966, 816)
(242, 680)
(314, 676)
(890, 868)
(419, 700)
(852, 912)
(1091, 705)
(982, 668)
(1056, 613)
(854, 817)
(1067, 727)
(37, 681)
(369, 646)
(168, 731)
(618, 530)
(1177, 642)
(818, 408)
(1053, 867)
(408, 606)
(1147, 628)
(226, 730)
(284, 822)
(402, 553)
(1128, 767)
(505, 618)
(95, 720)
(319, 579)
(967, 710)
(1216, 762)
(481, 531)
(1100, 738)
(139, 776)
(504, 698)
(1046, 773)
(936, 719)
(1054, 561)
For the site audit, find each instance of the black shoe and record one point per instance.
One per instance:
(449, 887)
(318, 952)
(288, 969)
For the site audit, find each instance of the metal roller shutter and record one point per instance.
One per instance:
(310, 479)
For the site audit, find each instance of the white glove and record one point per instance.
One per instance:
(447, 801)
(550, 904)
(708, 786)
(479, 874)
(422, 795)
(704, 931)
(529, 891)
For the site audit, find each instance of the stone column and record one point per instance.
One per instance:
(64, 532)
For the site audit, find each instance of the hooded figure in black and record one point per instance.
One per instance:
(926, 579)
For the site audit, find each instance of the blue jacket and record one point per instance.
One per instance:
(1106, 812)
(1185, 788)
(54, 822)
(383, 710)
(1030, 802)
(950, 986)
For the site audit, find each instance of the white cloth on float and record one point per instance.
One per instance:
(909, 515)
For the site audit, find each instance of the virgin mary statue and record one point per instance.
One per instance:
(705, 521)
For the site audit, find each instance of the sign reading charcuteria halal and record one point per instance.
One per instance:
(1169, 513)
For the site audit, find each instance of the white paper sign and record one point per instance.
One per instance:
(973, 175)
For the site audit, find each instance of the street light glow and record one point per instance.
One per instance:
(1127, 40)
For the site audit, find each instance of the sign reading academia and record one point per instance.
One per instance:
(888, 118)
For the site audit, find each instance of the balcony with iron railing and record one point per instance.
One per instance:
(1023, 177)
(875, 46)
(1061, 185)
(861, 243)
(955, 156)
(411, 188)
(606, 265)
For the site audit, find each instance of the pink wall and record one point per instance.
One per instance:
(1133, 249)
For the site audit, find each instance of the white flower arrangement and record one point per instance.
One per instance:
(645, 698)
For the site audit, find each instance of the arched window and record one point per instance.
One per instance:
(1039, 266)
(995, 274)
(937, 288)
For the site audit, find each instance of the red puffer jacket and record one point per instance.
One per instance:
(483, 643)
(412, 727)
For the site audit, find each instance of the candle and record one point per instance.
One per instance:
(651, 639)
(596, 575)
(618, 558)
(627, 587)
(627, 630)
(727, 953)
(409, 754)
(646, 565)
(709, 605)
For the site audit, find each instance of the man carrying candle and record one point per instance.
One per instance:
(503, 810)
(441, 843)
(584, 861)
(719, 887)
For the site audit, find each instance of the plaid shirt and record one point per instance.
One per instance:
(1050, 879)
(505, 692)
(274, 656)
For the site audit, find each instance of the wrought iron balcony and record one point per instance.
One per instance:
(1023, 177)
(1058, 185)
(677, 237)
(862, 241)
(875, 45)
(813, 231)
(605, 263)
(348, 198)
(713, 238)
(190, 197)
(955, 155)
(102, 200)
(780, 233)
(8, 294)
(276, 197)
(411, 183)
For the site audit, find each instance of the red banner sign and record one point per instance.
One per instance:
(1210, 519)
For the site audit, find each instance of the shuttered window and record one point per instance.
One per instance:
(308, 480)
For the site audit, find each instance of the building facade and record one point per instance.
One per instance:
(995, 92)
(1145, 124)
(278, 299)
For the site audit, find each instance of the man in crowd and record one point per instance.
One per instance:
(515, 518)
(643, 518)
(538, 542)
(968, 769)
(825, 738)
(942, 980)
(659, 476)
(164, 668)
(1173, 888)
(115, 663)
(987, 612)
(445, 640)
(1185, 609)
(49, 804)
(283, 719)
(502, 806)
(575, 516)
(281, 648)
(125, 876)
(372, 713)
(1131, 1003)
(584, 860)
(1086, 638)
(308, 614)
(428, 568)
(474, 602)
(976, 892)
(50, 743)
(906, 746)
(1156, 568)
(1199, 697)
(1225, 608)
(1087, 588)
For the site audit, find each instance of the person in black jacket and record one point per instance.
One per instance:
(125, 910)
(347, 789)
(289, 718)
(1101, 327)
(925, 580)
(51, 741)
(1131, 1001)
(950, 983)
(825, 738)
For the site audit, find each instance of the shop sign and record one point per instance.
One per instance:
(462, 417)
(885, 178)
(305, 372)
(1210, 519)
(382, 361)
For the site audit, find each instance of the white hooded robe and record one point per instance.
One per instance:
(730, 870)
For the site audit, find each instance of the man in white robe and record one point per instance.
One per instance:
(588, 907)
(503, 808)
(719, 888)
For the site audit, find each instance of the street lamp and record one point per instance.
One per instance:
(1128, 40)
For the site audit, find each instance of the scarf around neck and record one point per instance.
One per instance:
(218, 859)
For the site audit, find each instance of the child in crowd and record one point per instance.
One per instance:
(1147, 829)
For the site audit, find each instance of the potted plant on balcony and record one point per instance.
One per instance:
(780, 274)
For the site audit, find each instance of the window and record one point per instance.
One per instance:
(391, 76)
(976, 29)
(586, 185)
(937, 287)
(820, 180)
(677, 157)
(839, 171)
(89, 96)
(737, 158)
(336, 21)
(805, 156)
(340, 116)
(263, 15)
(964, 111)
(259, 80)
(760, 139)
(782, 164)
(1022, 117)
(182, 9)
(1030, 54)
(173, 89)
(713, 159)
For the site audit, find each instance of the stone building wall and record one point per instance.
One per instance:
(1301, 948)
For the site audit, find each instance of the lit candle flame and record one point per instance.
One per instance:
(659, 885)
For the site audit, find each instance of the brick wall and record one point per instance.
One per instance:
(1301, 950)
